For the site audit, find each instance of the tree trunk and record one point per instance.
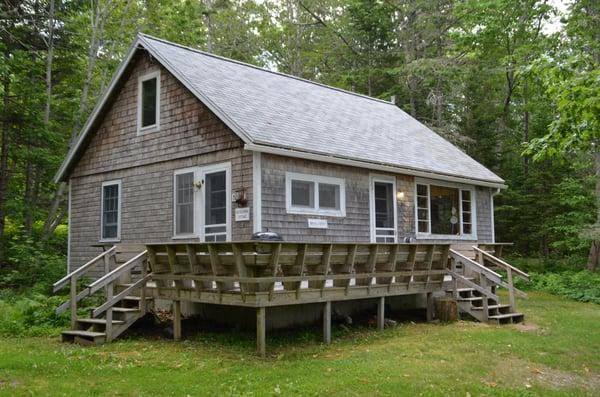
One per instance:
(98, 20)
(209, 26)
(4, 174)
(594, 256)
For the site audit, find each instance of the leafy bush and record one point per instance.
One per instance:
(583, 286)
(30, 316)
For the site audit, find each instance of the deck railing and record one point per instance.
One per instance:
(297, 270)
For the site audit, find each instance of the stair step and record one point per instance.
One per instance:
(490, 307)
(465, 289)
(98, 321)
(507, 315)
(136, 298)
(473, 299)
(125, 309)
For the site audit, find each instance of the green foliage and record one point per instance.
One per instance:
(583, 286)
(31, 315)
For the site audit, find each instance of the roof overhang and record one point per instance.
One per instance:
(79, 146)
(370, 165)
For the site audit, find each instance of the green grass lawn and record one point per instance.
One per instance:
(557, 353)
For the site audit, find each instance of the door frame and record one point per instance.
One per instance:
(209, 169)
(383, 179)
(200, 199)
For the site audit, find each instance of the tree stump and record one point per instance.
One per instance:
(446, 309)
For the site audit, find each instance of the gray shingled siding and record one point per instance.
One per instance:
(190, 136)
(356, 225)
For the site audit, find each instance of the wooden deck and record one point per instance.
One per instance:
(268, 274)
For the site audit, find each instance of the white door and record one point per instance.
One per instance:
(215, 203)
(383, 209)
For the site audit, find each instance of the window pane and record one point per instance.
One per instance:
(422, 202)
(303, 193)
(216, 198)
(422, 190)
(110, 211)
(384, 205)
(423, 226)
(149, 102)
(329, 196)
(184, 203)
(467, 228)
(444, 210)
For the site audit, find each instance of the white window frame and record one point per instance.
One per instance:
(199, 200)
(316, 179)
(196, 204)
(156, 126)
(209, 169)
(383, 179)
(460, 187)
(119, 197)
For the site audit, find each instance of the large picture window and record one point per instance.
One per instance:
(149, 103)
(445, 211)
(313, 194)
(111, 211)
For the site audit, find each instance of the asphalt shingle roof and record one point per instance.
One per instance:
(287, 112)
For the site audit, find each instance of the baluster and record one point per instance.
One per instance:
(484, 285)
(73, 302)
(511, 291)
(109, 311)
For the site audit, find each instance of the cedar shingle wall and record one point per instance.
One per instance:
(190, 135)
(355, 226)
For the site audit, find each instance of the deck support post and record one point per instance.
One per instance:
(430, 306)
(327, 322)
(261, 343)
(381, 313)
(177, 319)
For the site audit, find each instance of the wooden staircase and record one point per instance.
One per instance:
(474, 286)
(118, 312)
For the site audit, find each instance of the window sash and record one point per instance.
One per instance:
(184, 203)
(111, 211)
(465, 210)
(322, 195)
(148, 103)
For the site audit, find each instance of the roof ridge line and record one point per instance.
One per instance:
(144, 35)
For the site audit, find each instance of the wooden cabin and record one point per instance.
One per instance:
(187, 154)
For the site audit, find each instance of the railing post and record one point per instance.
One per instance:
(511, 290)
(454, 279)
(485, 312)
(73, 302)
(143, 287)
(109, 312)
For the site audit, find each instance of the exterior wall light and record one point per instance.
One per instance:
(400, 195)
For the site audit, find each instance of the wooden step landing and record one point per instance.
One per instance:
(490, 307)
(83, 337)
(98, 321)
(508, 318)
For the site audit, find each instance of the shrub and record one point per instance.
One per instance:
(583, 286)
(30, 316)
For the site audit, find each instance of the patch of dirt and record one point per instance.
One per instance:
(517, 372)
(527, 327)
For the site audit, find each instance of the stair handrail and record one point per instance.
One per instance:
(80, 271)
(476, 267)
(121, 295)
(116, 273)
(512, 290)
(499, 262)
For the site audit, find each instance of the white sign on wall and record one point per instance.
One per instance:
(317, 223)
(242, 214)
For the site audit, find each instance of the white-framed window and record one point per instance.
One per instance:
(110, 217)
(185, 203)
(148, 109)
(445, 210)
(383, 208)
(315, 195)
(201, 202)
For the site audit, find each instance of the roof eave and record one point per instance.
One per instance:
(61, 174)
(374, 166)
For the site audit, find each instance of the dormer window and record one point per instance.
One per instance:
(149, 103)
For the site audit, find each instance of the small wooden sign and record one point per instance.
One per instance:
(242, 214)
(317, 223)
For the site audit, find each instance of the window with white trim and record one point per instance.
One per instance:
(444, 210)
(149, 102)
(111, 211)
(314, 194)
(184, 203)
